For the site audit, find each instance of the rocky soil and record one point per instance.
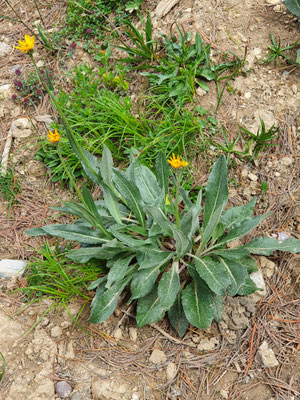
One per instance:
(254, 352)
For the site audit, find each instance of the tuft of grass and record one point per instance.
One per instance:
(10, 188)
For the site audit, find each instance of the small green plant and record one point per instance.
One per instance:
(262, 138)
(29, 88)
(264, 187)
(168, 252)
(276, 52)
(10, 187)
(143, 49)
(51, 274)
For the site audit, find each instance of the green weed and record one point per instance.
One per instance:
(276, 52)
(10, 188)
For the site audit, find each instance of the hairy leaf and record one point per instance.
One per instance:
(143, 282)
(118, 270)
(190, 222)
(265, 246)
(177, 317)
(162, 172)
(169, 286)
(149, 309)
(237, 273)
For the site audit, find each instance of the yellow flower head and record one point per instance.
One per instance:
(26, 45)
(53, 137)
(175, 162)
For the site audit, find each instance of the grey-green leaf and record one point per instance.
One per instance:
(102, 253)
(247, 288)
(143, 282)
(146, 181)
(198, 304)
(77, 233)
(214, 274)
(211, 225)
(182, 243)
(237, 273)
(177, 317)
(131, 194)
(236, 215)
(154, 258)
(118, 270)
(149, 309)
(169, 286)
(111, 203)
(160, 218)
(235, 253)
(265, 246)
(216, 191)
(106, 166)
(190, 222)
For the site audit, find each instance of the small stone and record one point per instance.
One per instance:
(224, 394)
(21, 128)
(135, 396)
(196, 339)
(257, 51)
(40, 64)
(298, 228)
(277, 174)
(47, 119)
(286, 161)
(245, 173)
(118, 333)
(158, 357)
(45, 322)
(201, 92)
(282, 236)
(277, 8)
(252, 177)
(78, 396)
(208, 344)
(5, 90)
(258, 279)
(63, 389)
(267, 356)
(56, 332)
(171, 371)
(268, 267)
(11, 268)
(294, 89)
(5, 49)
(133, 334)
(247, 95)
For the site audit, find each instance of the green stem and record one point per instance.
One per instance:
(177, 199)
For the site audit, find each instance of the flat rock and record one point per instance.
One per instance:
(5, 49)
(164, 6)
(21, 128)
(11, 268)
(5, 91)
(63, 389)
(258, 279)
(267, 356)
(158, 357)
(171, 371)
(208, 344)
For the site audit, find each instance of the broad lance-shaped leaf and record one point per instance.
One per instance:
(106, 166)
(162, 172)
(177, 317)
(111, 202)
(249, 263)
(216, 191)
(248, 287)
(217, 277)
(182, 243)
(169, 286)
(143, 282)
(198, 304)
(155, 257)
(236, 215)
(131, 194)
(101, 253)
(104, 302)
(190, 222)
(146, 181)
(237, 273)
(265, 246)
(118, 270)
(243, 228)
(236, 253)
(160, 218)
(127, 239)
(211, 226)
(149, 309)
(77, 233)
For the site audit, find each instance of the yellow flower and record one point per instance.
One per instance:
(26, 45)
(53, 137)
(175, 162)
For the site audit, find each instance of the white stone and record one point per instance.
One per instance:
(171, 371)
(133, 334)
(282, 236)
(268, 267)
(294, 89)
(118, 333)
(158, 357)
(47, 119)
(5, 49)
(201, 92)
(135, 396)
(252, 177)
(224, 394)
(286, 161)
(257, 51)
(245, 173)
(56, 331)
(10, 268)
(208, 344)
(258, 279)
(247, 95)
(5, 91)
(21, 128)
(267, 356)
(40, 64)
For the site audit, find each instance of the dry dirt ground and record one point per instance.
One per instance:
(114, 360)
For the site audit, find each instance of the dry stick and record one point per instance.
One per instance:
(5, 154)
(171, 338)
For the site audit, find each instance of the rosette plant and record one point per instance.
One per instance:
(168, 253)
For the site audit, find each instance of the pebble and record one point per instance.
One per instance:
(208, 344)
(78, 396)
(267, 266)
(247, 95)
(133, 334)
(245, 173)
(56, 331)
(294, 89)
(21, 128)
(11, 268)
(252, 177)
(286, 161)
(282, 236)
(5, 49)
(267, 356)
(63, 389)
(158, 357)
(118, 333)
(171, 371)
(5, 90)
(135, 396)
